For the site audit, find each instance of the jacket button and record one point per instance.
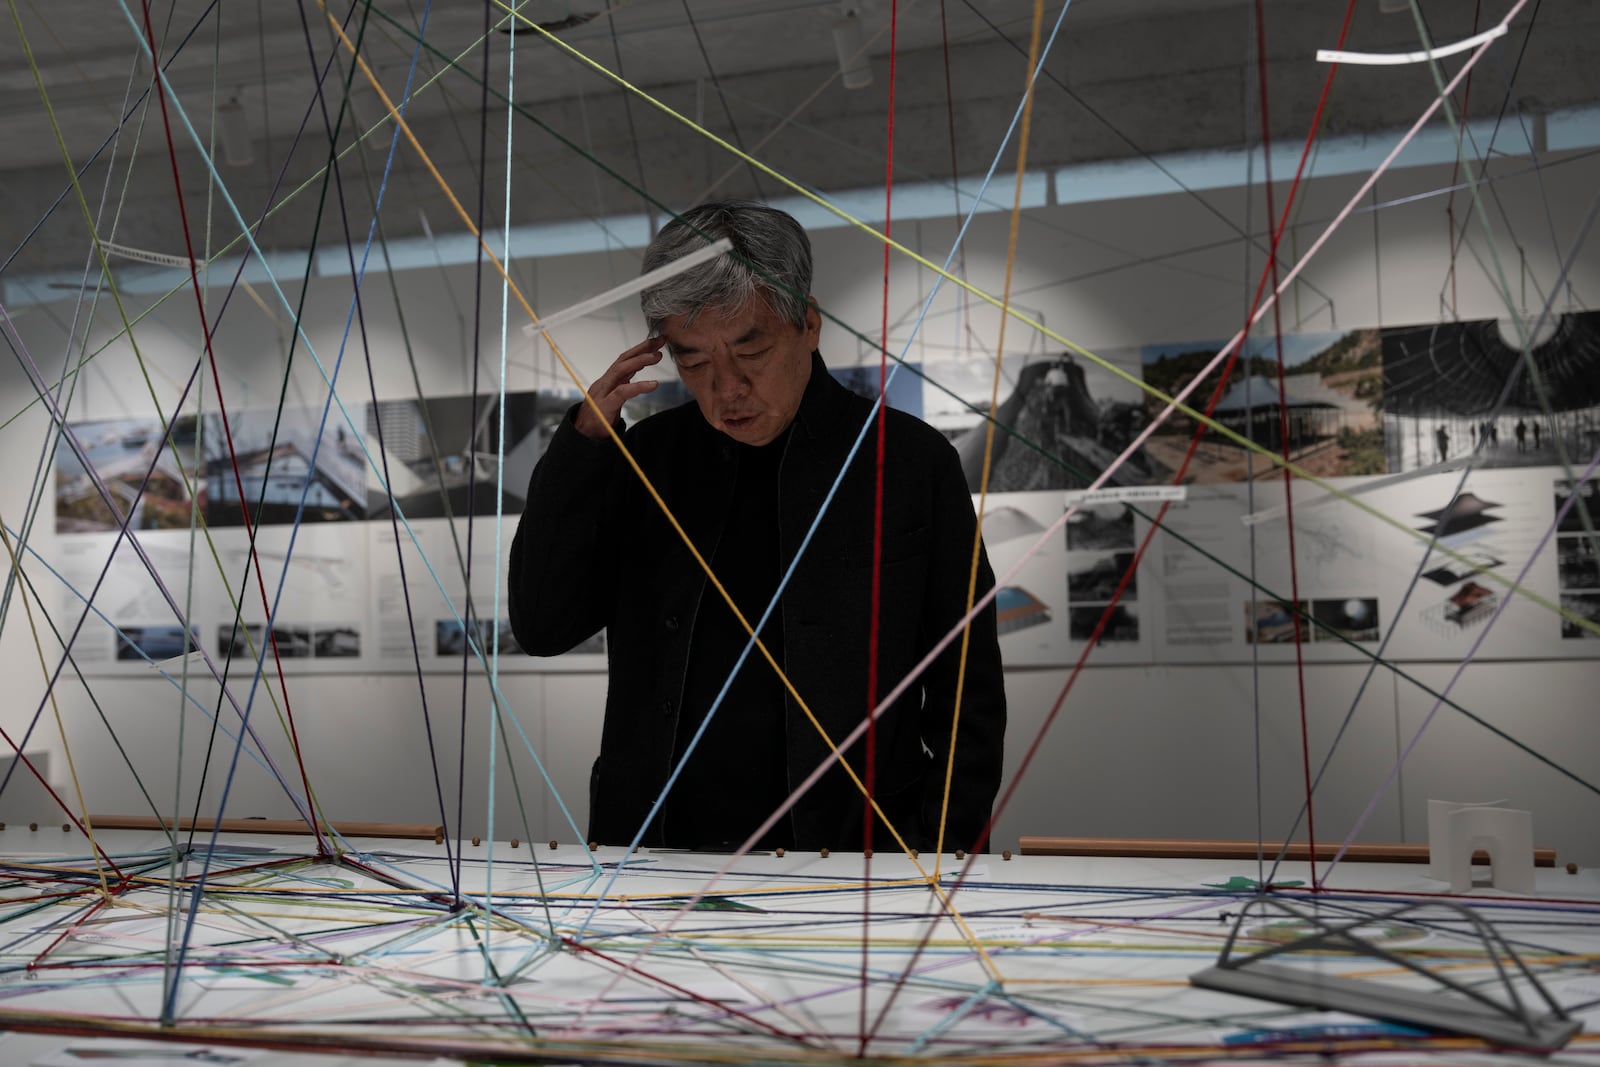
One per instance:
(672, 623)
(666, 706)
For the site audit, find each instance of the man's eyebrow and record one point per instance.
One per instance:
(754, 333)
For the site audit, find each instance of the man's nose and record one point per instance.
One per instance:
(728, 381)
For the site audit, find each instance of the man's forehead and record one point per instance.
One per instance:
(719, 326)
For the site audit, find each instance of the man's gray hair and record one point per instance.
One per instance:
(771, 256)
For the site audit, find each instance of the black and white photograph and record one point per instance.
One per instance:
(1586, 606)
(1121, 625)
(1095, 577)
(1347, 618)
(449, 637)
(291, 466)
(1100, 527)
(1577, 562)
(1445, 391)
(241, 641)
(1586, 504)
(1062, 420)
(444, 452)
(337, 642)
(293, 641)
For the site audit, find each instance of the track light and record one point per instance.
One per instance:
(855, 69)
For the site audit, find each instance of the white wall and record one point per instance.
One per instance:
(1136, 751)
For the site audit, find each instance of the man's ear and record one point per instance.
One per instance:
(813, 329)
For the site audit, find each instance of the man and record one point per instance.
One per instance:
(746, 469)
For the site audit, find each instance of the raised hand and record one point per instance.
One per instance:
(616, 387)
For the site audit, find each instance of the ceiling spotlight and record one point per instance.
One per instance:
(855, 69)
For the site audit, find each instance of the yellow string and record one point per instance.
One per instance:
(512, 287)
(1211, 424)
(989, 423)
(127, 329)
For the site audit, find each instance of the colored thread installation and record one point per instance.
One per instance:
(251, 561)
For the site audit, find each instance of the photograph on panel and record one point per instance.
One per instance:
(444, 454)
(1345, 619)
(1061, 420)
(156, 643)
(1577, 562)
(1583, 515)
(143, 471)
(1115, 623)
(1274, 622)
(1582, 618)
(1099, 527)
(1095, 576)
(286, 466)
(1323, 415)
(450, 637)
(1453, 389)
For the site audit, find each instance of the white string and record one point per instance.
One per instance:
(1400, 59)
(628, 288)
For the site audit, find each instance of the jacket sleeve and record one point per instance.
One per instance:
(980, 728)
(562, 572)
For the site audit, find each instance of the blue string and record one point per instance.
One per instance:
(199, 887)
(110, 137)
(499, 493)
(827, 501)
(123, 533)
(358, 435)
(176, 684)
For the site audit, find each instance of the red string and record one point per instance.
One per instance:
(238, 480)
(867, 819)
(1283, 444)
(62, 804)
(1038, 740)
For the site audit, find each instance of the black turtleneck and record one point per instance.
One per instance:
(738, 773)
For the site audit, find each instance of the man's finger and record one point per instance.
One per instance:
(628, 364)
(629, 390)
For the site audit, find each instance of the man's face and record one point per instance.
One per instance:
(746, 367)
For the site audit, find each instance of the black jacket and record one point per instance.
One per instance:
(592, 550)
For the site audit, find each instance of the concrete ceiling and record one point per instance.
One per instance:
(1125, 77)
